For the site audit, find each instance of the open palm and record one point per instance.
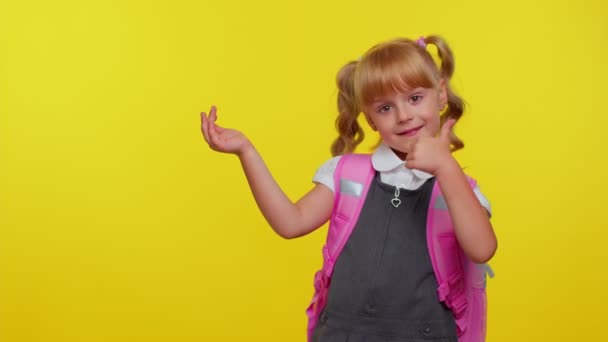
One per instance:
(222, 139)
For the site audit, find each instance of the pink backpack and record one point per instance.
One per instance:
(461, 282)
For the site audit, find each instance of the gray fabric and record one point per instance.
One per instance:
(383, 287)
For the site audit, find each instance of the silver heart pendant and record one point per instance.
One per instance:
(395, 202)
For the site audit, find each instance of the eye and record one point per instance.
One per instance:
(415, 98)
(384, 108)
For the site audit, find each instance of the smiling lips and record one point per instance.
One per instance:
(411, 131)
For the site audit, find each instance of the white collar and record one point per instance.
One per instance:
(385, 160)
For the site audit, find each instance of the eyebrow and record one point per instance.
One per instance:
(379, 102)
(408, 92)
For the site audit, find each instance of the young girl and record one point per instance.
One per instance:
(383, 286)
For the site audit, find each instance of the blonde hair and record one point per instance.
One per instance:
(393, 66)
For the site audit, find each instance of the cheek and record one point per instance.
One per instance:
(433, 125)
(384, 130)
(380, 124)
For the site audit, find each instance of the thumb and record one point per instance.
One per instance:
(446, 130)
(412, 164)
(410, 161)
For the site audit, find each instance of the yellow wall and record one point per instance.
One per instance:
(117, 223)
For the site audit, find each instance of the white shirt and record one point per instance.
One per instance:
(392, 171)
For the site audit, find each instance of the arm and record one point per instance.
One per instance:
(471, 222)
(289, 220)
(286, 218)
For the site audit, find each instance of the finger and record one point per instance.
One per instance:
(217, 128)
(446, 130)
(215, 132)
(212, 121)
(410, 163)
(214, 127)
(216, 139)
(213, 114)
(205, 126)
(411, 146)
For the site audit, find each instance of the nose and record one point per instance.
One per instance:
(403, 114)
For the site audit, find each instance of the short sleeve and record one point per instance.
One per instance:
(483, 200)
(325, 173)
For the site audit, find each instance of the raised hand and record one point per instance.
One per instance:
(287, 218)
(222, 139)
(430, 153)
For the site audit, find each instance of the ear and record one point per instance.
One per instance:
(443, 94)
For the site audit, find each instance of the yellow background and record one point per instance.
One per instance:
(118, 223)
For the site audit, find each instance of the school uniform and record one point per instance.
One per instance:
(383, 286)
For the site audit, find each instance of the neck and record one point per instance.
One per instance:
(401, 155)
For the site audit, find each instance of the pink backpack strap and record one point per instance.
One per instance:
(352, 178)
(461, 282)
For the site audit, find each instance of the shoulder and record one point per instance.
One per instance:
(483, 199)
(480, 196)
(325, 173)
(356, 164)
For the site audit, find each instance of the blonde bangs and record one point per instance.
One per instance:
(393, 67)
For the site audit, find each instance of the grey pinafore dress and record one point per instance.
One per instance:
(383, 286)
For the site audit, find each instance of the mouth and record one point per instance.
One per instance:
(410, 132)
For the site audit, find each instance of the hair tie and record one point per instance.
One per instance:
(421, 42)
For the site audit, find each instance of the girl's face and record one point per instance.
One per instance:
(401, 118)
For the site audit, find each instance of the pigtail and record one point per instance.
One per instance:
(350, 132)
(455, 105)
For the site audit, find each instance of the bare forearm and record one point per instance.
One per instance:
(471, 223)
(280, 212)
(286, 218)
